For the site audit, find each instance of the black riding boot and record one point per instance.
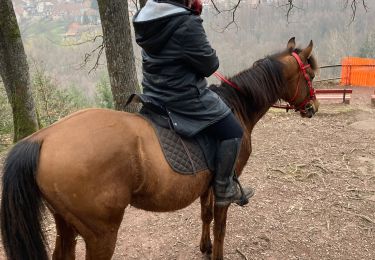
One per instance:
(225, 181)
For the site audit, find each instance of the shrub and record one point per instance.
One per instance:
(103, 95)
(53, 103)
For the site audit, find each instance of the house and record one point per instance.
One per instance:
(44, 8)
(73, 30)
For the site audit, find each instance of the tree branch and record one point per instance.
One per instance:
(215, 6)
(232, 10)
(78, 43)
(354, 6)
(290, 6)
(135, 2)
(99, 49)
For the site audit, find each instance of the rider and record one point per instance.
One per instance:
(176, 58)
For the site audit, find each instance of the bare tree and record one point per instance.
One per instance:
(354, 5)
(119, 51)
(142, 3)
(14, 72)
(290, 6)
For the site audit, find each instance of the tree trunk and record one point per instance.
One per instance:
(119, 51)
(142, 3)
(14, 72)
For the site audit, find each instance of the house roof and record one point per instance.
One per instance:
(73, 29)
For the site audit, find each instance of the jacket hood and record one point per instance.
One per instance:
(156, 22)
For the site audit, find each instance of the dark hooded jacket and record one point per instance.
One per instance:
(176, 58)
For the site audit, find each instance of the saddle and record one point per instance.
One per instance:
(185, 155)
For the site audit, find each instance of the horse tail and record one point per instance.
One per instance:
(22, 205)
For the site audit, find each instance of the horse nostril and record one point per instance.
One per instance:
(311, 109)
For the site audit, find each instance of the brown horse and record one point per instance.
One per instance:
(88, 167)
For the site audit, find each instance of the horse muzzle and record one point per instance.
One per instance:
(310, 109)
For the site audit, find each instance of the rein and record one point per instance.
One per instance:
(224, 79)
(301, 106)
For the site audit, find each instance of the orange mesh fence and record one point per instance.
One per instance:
(358, 72)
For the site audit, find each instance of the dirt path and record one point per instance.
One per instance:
(315, 182)
(315, 196)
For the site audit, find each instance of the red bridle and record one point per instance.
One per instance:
(224, 79)
(300, 107)
(312, 96)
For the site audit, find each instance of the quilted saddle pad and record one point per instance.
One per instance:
(184, 155)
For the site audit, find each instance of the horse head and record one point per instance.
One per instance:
(299, 72)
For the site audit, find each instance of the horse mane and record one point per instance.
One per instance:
(261, 85)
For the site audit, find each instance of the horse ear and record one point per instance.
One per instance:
(291, 44)
(308, 51)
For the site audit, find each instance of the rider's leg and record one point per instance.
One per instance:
(229, 133)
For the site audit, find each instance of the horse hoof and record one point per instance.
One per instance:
(206, 248)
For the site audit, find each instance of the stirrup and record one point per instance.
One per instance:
(243, 200)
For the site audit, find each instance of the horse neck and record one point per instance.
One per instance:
(261, 86)
(248, 125)
(248, 116)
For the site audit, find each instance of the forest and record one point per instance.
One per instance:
(63, 78)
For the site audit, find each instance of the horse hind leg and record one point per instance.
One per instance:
(65, 240)
(101, 247)
(207, 216)
(101, 240)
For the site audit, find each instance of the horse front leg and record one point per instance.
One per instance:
(207, 213)
(220, 222)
